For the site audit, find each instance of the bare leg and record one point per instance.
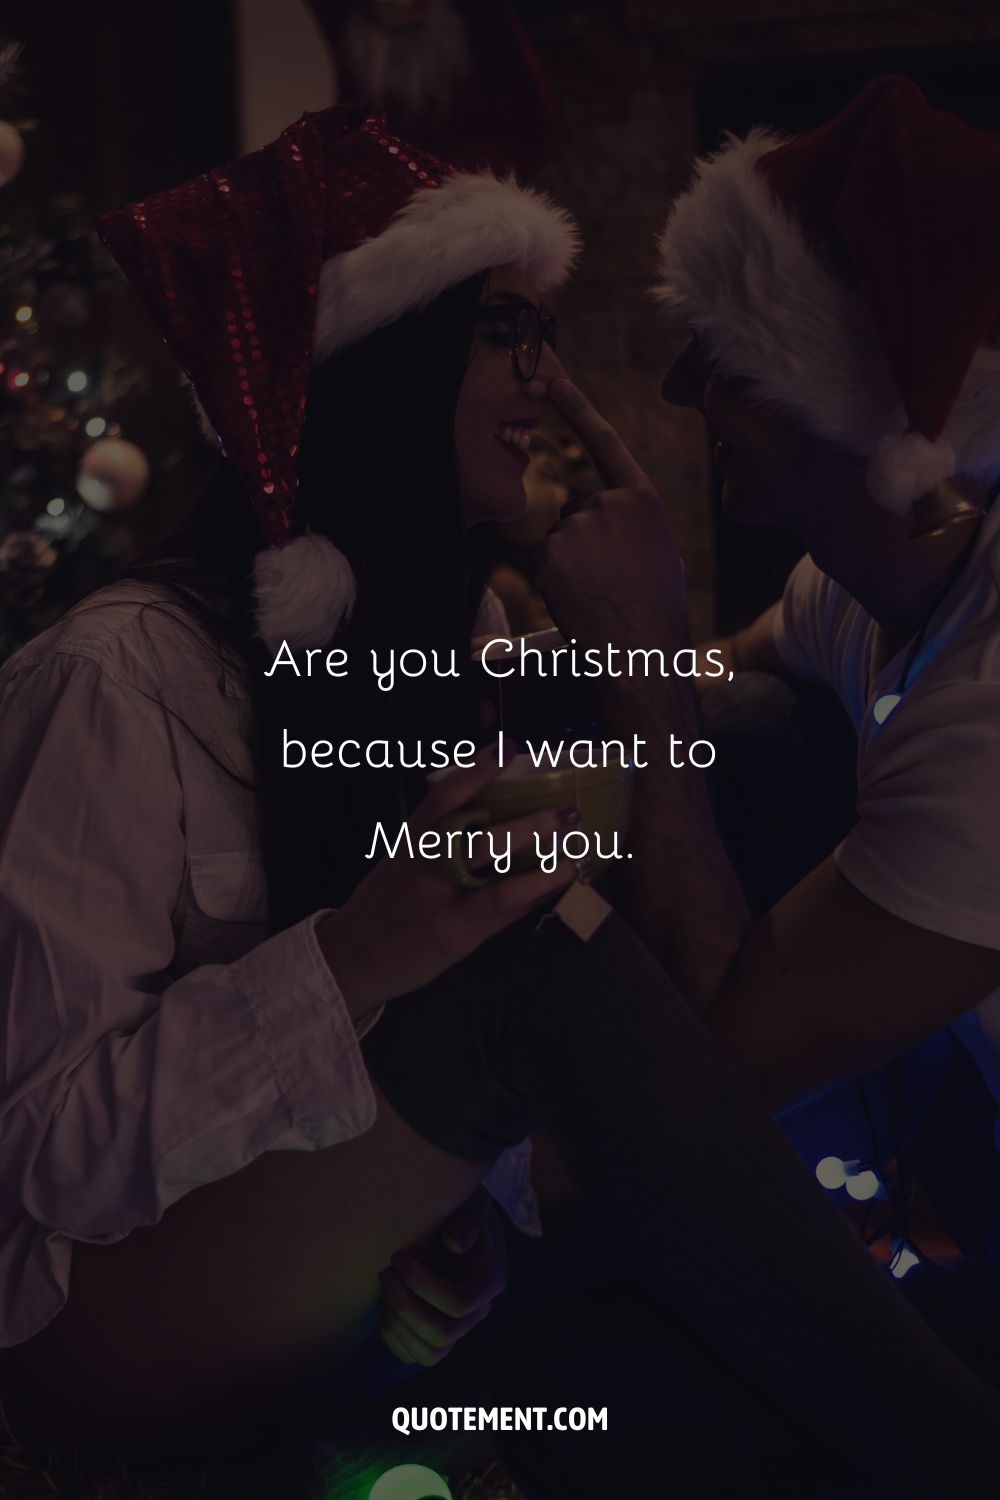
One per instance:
(244, 1289)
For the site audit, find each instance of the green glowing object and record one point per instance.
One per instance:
(410, 1482)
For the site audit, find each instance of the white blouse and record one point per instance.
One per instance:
(153, 1039)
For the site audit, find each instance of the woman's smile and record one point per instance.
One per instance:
(515, 437)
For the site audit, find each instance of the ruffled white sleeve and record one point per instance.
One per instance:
(122, 1087)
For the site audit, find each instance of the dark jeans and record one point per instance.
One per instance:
(675, 1354)
(694, 1195)
(682, 1420)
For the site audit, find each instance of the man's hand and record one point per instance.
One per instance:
(425, 1312)
(611, 571)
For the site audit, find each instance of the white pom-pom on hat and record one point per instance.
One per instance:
(304, 591)
(904, 466)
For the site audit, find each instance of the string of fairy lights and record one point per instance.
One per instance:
(863, 1182)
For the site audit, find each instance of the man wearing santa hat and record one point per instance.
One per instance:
(843, 300)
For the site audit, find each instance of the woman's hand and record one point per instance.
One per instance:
(406, 922)
(426, 1311)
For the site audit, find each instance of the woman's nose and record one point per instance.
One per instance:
(550, 366)
(684, 382)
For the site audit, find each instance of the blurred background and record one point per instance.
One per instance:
(603, 103)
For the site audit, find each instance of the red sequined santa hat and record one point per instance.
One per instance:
(256, 271)
(851, 275)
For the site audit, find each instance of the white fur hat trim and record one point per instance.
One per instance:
(304, 591)
(440, 237)
(904, 466)
(735, 265)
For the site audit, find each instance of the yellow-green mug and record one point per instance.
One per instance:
(602, 796)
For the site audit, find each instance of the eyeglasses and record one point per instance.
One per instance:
(525, 330)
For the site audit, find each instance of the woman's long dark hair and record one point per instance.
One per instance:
(377, 475)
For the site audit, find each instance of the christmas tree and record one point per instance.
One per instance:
(65, 466)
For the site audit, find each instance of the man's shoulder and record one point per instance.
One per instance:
(819, 631)
(810, 590)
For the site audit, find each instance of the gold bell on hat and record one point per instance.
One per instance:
(940, 509)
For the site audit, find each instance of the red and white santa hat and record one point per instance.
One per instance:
(852, 276)
(259, 270)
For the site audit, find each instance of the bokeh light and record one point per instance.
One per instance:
(830, 1173)
(863, 1186)
(410, 1482)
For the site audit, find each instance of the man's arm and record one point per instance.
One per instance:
(829, 984)
(751, 649)
(611, 573)
(677, 887)
(675, 841)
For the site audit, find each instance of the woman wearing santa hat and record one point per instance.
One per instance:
(243, 1072)
(344, 263)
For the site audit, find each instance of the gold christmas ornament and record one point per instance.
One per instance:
(11, 152)
(112, 475)
(940, 509)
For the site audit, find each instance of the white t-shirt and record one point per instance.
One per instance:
(926, 844)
